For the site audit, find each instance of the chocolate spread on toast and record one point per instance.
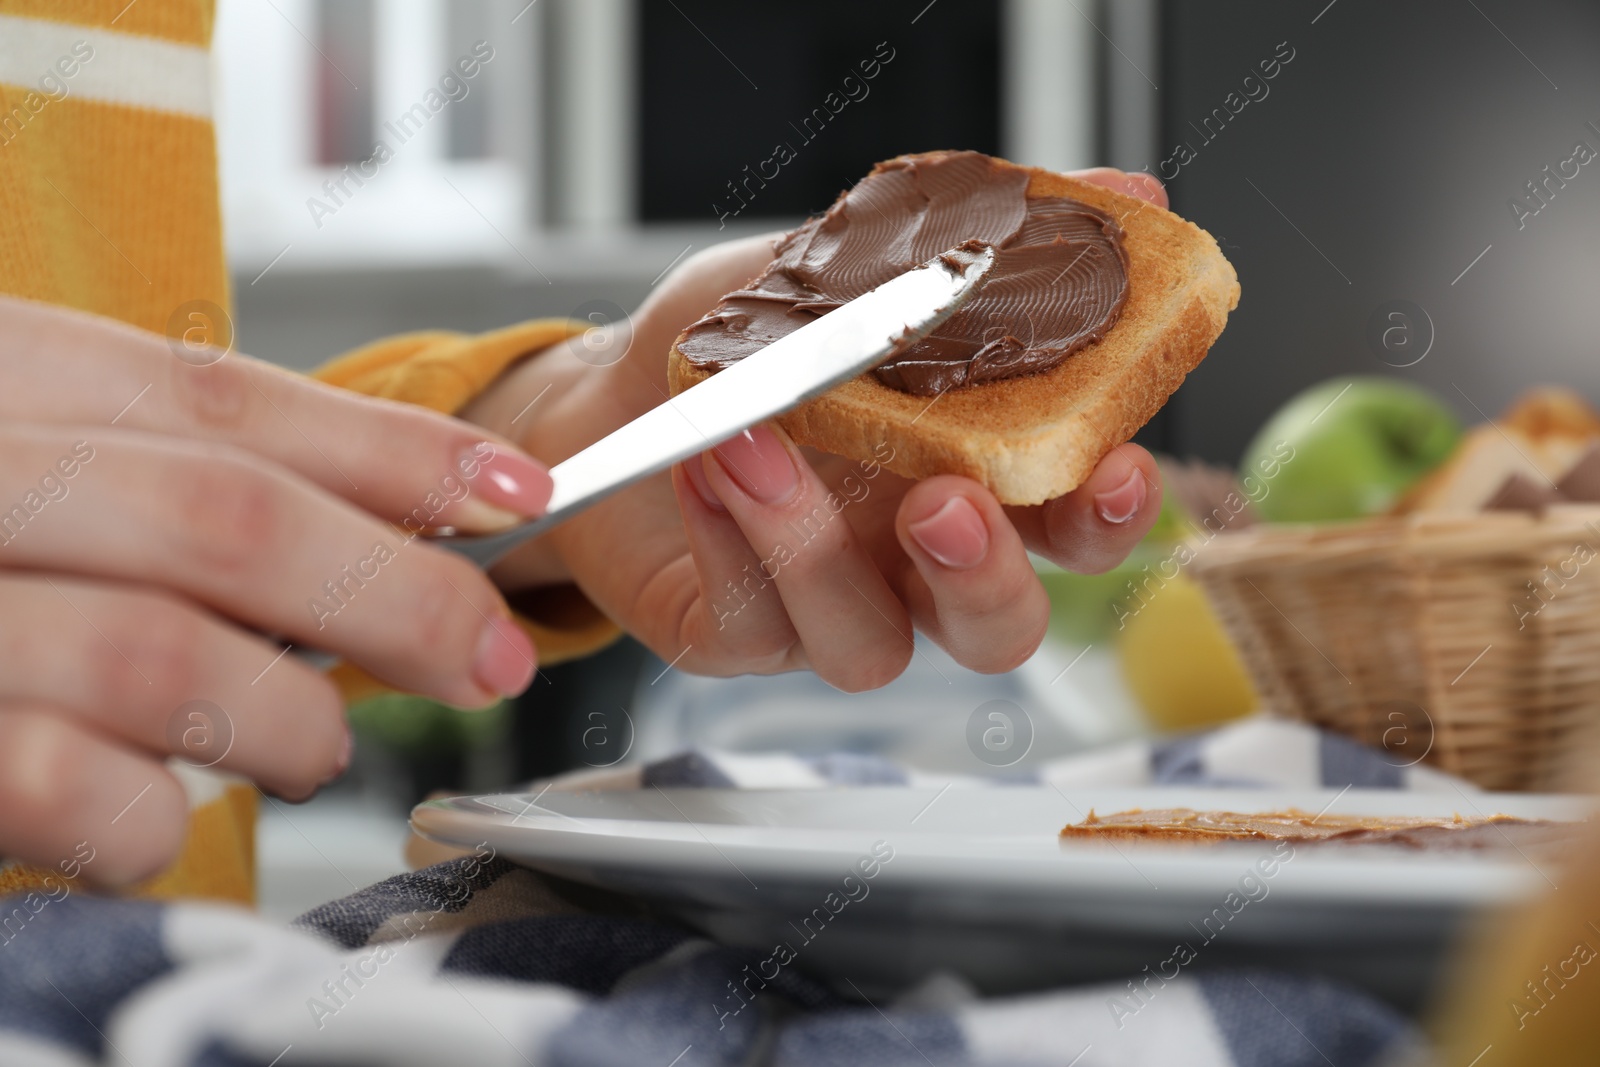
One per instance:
(1059, 282)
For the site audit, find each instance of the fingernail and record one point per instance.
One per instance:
(759, 464)
(342, 763)
(695, 468)
(1118, 505)
(505, 658)
(508, 481)
(955, 535)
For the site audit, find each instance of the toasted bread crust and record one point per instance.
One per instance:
(1034, 438)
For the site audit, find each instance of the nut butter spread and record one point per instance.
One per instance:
(1059, 281)
(1299, 827)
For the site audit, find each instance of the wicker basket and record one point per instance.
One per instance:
(1474, 639)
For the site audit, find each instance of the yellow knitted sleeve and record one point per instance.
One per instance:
(446, 371)
(109, 203)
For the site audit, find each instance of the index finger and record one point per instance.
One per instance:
(398, 461)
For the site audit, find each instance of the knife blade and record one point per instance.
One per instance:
(847, 341)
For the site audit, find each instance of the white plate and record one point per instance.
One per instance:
(979, 882)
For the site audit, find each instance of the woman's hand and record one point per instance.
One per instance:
(760, 557)
(156, 517)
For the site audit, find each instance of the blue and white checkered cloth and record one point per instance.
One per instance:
(475, 961)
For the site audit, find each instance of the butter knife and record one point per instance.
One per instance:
(847, 341)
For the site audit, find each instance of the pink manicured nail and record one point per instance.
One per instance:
(505, 658)
(346, 750)
(510, 480)
(1118, 505)
(759, 464)
(955, 535)
(695, 468)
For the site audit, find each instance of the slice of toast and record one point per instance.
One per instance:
(1032, 438)
(1530, 448)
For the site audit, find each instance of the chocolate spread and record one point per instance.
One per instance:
(1186, 825)
(1059, 281)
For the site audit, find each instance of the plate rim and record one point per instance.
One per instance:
(594, 849)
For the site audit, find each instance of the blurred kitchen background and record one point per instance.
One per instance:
(602, 141)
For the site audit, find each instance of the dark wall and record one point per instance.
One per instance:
(1388, 147)
(724, 83)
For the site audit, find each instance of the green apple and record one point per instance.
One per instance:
(1345, 449)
